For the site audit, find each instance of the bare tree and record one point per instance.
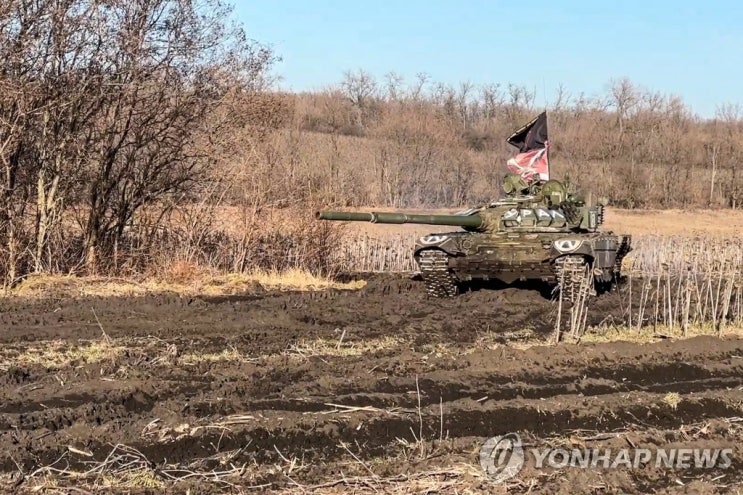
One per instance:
(104, 112)
(359, 87)
(417, 90)
(394, 83)
(623, 99)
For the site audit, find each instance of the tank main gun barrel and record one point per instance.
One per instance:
(473, 221)
(345, 216)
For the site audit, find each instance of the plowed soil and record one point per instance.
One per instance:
(381, 389)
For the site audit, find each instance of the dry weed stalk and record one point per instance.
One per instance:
(688, 282)
(343, 409)
(435, 481)
(364, 253)
(577, 314)
(127, 467)
(321, 347)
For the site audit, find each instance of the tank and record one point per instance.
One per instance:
(538, 231)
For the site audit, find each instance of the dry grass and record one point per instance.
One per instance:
(140, 480)
(714, 223)
(341, 348)
(60, 354)
(200, 283)
(459, 478)
(125, 468)
(649, 335)
(300, 280)
(672, 400)
(57, 354)
(229, 355)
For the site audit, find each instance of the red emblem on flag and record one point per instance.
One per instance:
(532, 162)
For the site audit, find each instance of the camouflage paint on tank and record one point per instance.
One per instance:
(519, 237)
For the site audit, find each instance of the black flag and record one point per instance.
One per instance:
(533, 144)
(532, 136)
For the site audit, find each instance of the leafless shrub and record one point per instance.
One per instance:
(103, 106)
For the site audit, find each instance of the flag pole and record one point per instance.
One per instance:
(546, 104)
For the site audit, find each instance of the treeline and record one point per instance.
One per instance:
(139, 134)
(415, 144)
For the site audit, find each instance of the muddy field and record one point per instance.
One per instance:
(379, 390)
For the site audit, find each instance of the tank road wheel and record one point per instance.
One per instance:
(574, 279)
(439, 280)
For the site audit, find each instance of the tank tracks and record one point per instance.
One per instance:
(624, 248)
(572, 273)
(439, 280)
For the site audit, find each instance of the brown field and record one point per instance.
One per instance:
(378, 390)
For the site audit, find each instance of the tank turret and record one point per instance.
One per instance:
(548, 208)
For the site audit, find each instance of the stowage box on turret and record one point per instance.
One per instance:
(537, 231)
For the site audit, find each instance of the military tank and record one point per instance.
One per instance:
(538, 231)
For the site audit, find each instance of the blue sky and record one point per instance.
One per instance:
(692, 49)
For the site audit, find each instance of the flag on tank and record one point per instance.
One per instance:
(532, 161)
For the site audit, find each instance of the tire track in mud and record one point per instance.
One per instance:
(284, 401)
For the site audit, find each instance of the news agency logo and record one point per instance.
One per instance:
(503, 457)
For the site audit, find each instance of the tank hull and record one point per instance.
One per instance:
(547, 234)
(512, 256)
